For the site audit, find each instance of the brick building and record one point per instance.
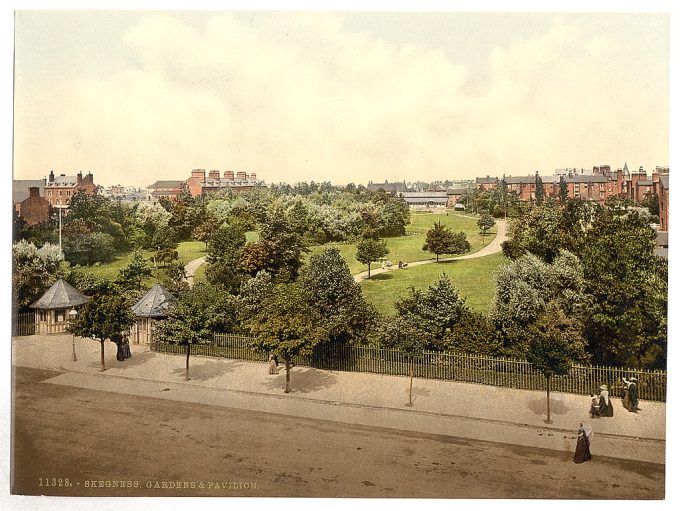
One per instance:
(200, 184)
(34, 209)
(59, 189)
(167, 189)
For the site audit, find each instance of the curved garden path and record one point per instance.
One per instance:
(191, 267)
(492, 248)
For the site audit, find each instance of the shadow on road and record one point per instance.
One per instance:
(208, 370)
(301, 380)
(538, 406)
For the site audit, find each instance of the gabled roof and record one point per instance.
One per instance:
(154, 304)
(664, 181)
(61, 295)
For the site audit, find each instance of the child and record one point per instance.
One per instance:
(594, 407)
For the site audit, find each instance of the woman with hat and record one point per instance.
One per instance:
(585, 435)
(606, 406)
(630, 399)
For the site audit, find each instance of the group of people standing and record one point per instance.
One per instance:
(601, 406)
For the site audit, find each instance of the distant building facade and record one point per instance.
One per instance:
(34, 209)
(200, 184)
(425, 199)
(59, 190)
(167, 189)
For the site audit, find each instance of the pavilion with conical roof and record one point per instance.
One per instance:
(149, 309)
(52, 308)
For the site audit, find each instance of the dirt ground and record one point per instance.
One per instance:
(109, 444)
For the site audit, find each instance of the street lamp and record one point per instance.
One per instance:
(72, 316)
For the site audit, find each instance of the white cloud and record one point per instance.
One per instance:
(300, 97)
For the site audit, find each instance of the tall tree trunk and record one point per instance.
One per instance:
(437, 257)
(547, 386)
(103, 367)
(369, 270)
(287, 376)
(187, 364)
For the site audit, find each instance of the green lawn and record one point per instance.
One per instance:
(474, 279)
(199, 275)
(187, 251)
(410, 247)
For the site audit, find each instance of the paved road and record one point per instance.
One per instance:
(493, 247)
(91, 435)
(440, 407)
(191, 267)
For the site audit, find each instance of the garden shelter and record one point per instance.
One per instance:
(149, 309)
(52, 308)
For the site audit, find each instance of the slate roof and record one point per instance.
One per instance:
(664, 181)
(166, 184)
(20, 188)
(154, 304)
(62, 181)
(61, 295)
(456, 191)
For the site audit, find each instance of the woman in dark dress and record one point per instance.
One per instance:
(583, 444)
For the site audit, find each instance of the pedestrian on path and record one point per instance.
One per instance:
(273, 364)
(606, 406)
(585, 435)
(630, 399)
(594, 407)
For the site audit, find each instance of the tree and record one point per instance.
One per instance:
(434, 312)
(224, 252)
(474, 333)
(330, 289)
(485, 223)
(524, 288)
(206, 229)
(441, 240)
(134, 273)
(564, 191)
(370, 250)
(286, 325)
(651, 202)
(540, 191)
(106, 316)
(196, 316)
(33, 271)
(627, 323)
(173, 277)
(88, 248)
(278, 251)
(556, 343)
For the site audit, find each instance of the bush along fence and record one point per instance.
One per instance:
(462, 367)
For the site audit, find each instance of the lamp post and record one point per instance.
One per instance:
(72, 316)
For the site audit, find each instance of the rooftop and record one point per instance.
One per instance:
(154, 304)
(61, 295)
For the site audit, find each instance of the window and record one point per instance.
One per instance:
(61, 315)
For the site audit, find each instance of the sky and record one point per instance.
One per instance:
(137, 96)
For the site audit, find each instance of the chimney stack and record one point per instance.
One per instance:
(253, 176)
(34, 191)
(229, 174)
(51, 178)
(214, 174)
(241, 175)
(199, 174)
(79, 177)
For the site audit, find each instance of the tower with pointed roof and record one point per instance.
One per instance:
(149, 309)
(52, 308)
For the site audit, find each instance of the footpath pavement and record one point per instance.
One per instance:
(493, 247)
(464, 410)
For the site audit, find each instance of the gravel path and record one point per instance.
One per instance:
(191, 267)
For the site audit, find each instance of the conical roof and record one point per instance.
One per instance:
(61, 295)
(154, 303)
